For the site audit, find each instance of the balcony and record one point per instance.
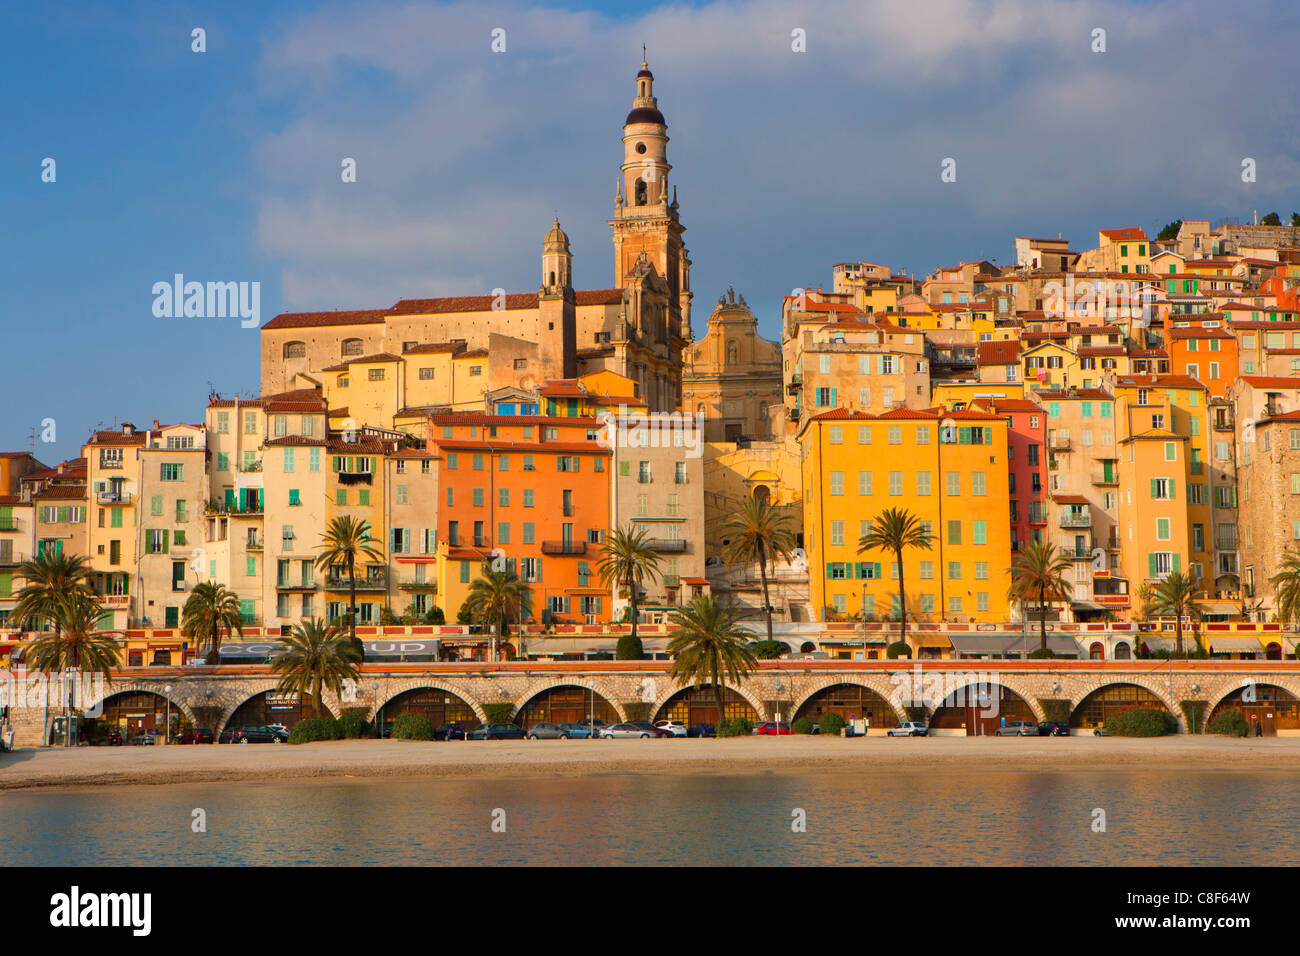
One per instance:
(792, 414)
(430, 586)
(1059, 443)
(1101, 479)
(792, 387)
(374, 580)
(115, 463)
(9, 524)
(1037, 517)
(255, 544)
(666, 544)
(284, 584)
(11, 559)
(249, 467)
(356, 477)
(645, 479)
(1075, 554)
(1076, 519)
(1222, 424)
(672, 581)
(115, 602)
(113, 497)
(564, 547)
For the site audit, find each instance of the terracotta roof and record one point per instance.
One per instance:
(1158, 381)
(293, 440)
(1080, 394)
(116, 438)
(483, 418)
(483, 303)
(1270, 381)
(473, 353)
(1101, 350)
(317, 406)
(434, 348)
(997, 353)
(307, 320)
(497, 444)
(1200, 332)
(1130, 233)
(62, 492)
(929, 414)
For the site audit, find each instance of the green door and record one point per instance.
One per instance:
(1108, 470)
(171, 616)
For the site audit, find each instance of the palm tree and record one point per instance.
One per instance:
(495, 598)
(346, 539)
(210, 609)
(1039, 572)
(1176, 594)
(49, 576)
(315, 656)
(758, 533)
(710, 647)
(627, 558)
(1286, 586)
(895, 529)
(77, 643)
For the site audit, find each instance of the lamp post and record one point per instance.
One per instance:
(167, 725)
(379, 715)
(778, 687)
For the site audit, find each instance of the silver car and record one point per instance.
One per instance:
(625, 730)
(547, 731)
(1017, 728)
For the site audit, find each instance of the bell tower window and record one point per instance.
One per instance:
(640, 192)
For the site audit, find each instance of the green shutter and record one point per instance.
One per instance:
(1173, 490)
(829, 566)
(1151, 565)
(1154, 492)
(1176, 563)
(166, 541)
(875, 570)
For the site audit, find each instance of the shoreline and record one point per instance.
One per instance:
(36, 770)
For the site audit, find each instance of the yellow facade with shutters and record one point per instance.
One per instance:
(947, 468)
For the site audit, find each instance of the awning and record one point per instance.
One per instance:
(1010, 644)
(1224, 644)
(585, 645)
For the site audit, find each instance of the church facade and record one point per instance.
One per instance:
(450, 352)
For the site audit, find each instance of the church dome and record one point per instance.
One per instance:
(556, 237)
(645, 114)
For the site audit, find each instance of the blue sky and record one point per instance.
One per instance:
(224, 166)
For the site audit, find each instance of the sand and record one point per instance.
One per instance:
(100, 766)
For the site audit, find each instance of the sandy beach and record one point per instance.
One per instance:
(103, 766)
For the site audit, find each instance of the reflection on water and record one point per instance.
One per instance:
(914, 819)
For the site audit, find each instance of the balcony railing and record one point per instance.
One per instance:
(250, 466)
(666, 544)
(1076, 519)
(374, 581)
(1060, 443)
(110, 463)
(255, 544)
(792, 387)
(1076, 554)
(431, 586)
(115, 601)
(9, 524)
(1101, 478)
(284, 584)
(12, 558)
(356, 477)
(564, 547)
(113, 497)
(1222, 424)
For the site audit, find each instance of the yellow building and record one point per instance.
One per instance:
(949, 468)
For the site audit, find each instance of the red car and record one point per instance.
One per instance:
(772, 728)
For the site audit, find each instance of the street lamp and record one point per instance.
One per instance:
(379, 716)
(778, 687)
(167, 726)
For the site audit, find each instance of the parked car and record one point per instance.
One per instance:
(452, 731)
(909, 728)
(496, 732)
(145, 738)
(227, 736)
(629, 730)
(279, 728)
(258, 735)
(771, 728)
(196, 735)
(1053, 728)
(544, 730)
(1017, 728)
(675, 728)
(581, 731)
(702, 730)
(654, 731)
(113, 738)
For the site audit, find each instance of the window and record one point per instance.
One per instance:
(895, 482)
(837, 532)
(922, 483)
(250, 423)
(528, 497)
(895, 434)
(288, 461)
(923, 434)
(825, 397)
(1162, 529)
(927, 570)
(294, 498)
(979, 532)
(837, 482)
(313, 460)
(363, 496)
(953, 480)
(503, 497)
(954, 532)
(836, 434)
(981, 569)
(478, 497)
(864, 483)
(426, 374)
(223, 423)
(172, 472)
(977, 483)
(1162, 489)
(954, 570)
(375, 375)
(864, 434)
(954, 605)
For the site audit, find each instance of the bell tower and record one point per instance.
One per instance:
(645, 210)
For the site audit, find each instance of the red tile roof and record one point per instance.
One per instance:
(998, 353)
(1131, 233)
(483, 303)
(310, 320)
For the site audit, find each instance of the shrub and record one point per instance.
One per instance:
(629, 648)
(769, 650)
(735, 727)
(1039, 653)
(802, 726)
(831, 724)
(412, 727)
(600, 656)
(498, 713)
(435, 615)
(1141, 722)
(315, 728)
(1231, 723)
(1054, 708)
(1194, 714)
(354, 726)
(898, 649)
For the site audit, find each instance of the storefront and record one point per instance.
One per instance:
(270, 707)
(1110, 700)
(440, 707)
(569, 704)
(852, 702)
(979, 710)
(1266, 707)
(699, 705)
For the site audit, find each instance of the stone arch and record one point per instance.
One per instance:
(876, 686)
(247, 693)
(1157, 689)
(965, 691)
(1231, 686)
(673, 689)
(391, 690)
(596, 685)
(140, 687)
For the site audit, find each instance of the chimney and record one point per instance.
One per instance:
(156, 426)
(128, 428)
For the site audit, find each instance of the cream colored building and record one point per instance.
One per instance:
(733, 375)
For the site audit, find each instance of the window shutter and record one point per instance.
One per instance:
(166, 541)
(829, 566)
(1153, 488)
(1176, 562)
(1151, 565)
(875, 570)
(1173, 490)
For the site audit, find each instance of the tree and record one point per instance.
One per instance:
(895, 529)
(314, 657)
(1176, 594)
(1272, 219)
(758, 533)
(50, 576)
(1039, 572)
(1170, 231)
(210, 609)
(627, 558)
(1295, 220)
(1286, 586)
(494, 599)
(77, 643)
(344, 541)
(710, 646)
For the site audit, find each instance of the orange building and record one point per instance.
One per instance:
(533, 489)
(1208, 355)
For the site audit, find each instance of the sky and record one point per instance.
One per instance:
(225, 165)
